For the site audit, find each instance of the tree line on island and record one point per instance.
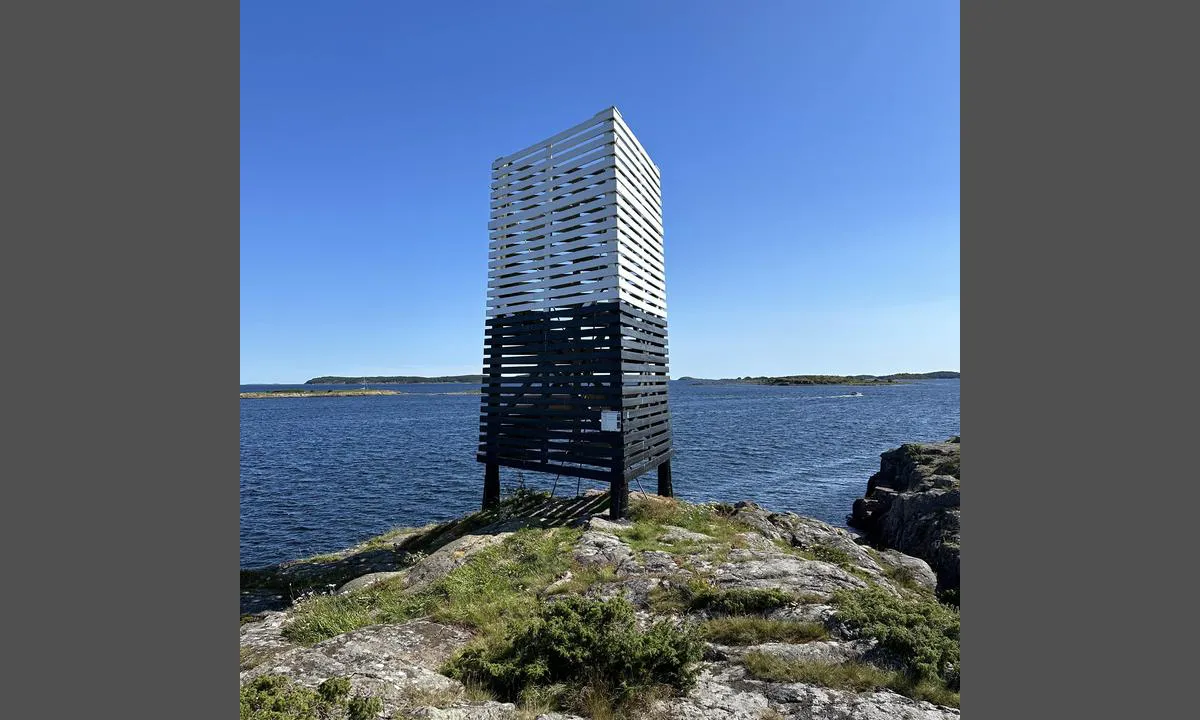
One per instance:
(762, 380)
(393, 379)
(826, 379)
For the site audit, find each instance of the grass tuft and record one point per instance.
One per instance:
(751, 630)
(830, 553)
(905, 577)
(584, 578)
(488, 592)
(706, 519)
(850, 676)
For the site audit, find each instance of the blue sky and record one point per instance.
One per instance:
(809, 155)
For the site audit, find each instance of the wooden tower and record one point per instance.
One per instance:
(575, 349)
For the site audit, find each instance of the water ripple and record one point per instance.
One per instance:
(319, 474)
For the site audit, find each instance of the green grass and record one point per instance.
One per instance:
(440, 698)
(700, 595)
(949, 466)
(297, 577)
(488, 592)
(584, 578)
(275, 697)
(741, 601)
(652, 517)
(791, 549)
(830, 553)
(250, 658)
(904, 577)
(706, 519)
(921, 632)
(643, 536)
(752, 630)
(826, 552)
(850, 676)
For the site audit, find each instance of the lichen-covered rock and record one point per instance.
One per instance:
(916, 568)
(601, 548)
(396, 663)
(805, 534)
(806, 612)
(754, 569)
(656, 562)
(368, 580)
(601, 524)
(275, 587)
(912, 505)
(812, 702)
(716, 697)
(489, 710)
(677, 534)
(725, 691)
(826, 651)
(448, 557)
(400, 663)
(262, 640)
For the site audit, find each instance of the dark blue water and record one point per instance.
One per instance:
(320, 474)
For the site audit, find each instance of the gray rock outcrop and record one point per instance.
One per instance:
(654, 566)
(912, 505)
(724, 691)
(395, 663)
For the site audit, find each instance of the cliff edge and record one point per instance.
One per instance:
(912, 505)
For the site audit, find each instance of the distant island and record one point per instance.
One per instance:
(762, 380)
(825, 379)
(291, 393)
(357, 392)
(393, 380)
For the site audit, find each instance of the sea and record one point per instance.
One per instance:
(321, 474)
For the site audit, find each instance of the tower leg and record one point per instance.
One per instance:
(619, 498)
(664, 479)
(491, 484)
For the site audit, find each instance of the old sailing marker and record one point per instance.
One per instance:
(575, 341)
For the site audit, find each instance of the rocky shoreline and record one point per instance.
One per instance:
(543, 608)
(912, 505)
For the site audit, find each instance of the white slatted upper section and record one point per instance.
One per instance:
(576, 218)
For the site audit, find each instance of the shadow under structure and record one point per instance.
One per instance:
(575, 337)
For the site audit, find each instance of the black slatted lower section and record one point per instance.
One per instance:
(550, 375)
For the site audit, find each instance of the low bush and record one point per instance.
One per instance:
(699, 595)
(919, 631)
(275, 697)
(583, 642)
(741, 601)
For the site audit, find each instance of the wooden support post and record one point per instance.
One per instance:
(664, 479)
(491, 484)
(619, 498)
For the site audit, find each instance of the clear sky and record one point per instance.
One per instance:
(809, 155)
